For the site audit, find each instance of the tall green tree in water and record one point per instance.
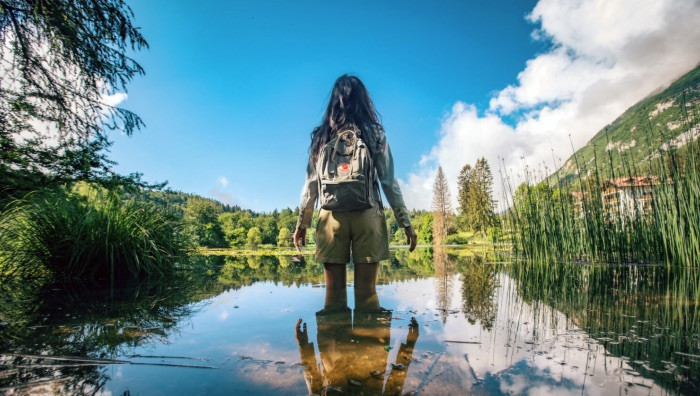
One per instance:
(442, 208)
(64, 65)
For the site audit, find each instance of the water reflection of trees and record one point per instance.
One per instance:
(101, 323)
(405, 265)
(242, 271)
(88, 321)
(649, 314)
(239, 271)
(479, 279)
(444, 279)
(479, 282)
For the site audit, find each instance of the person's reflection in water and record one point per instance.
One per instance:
(354, 349)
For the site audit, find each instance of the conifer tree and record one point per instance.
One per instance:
(480, 213)
(60, 61)
(464, 184)
(442, 210)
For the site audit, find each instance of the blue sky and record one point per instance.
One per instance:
(232, 89)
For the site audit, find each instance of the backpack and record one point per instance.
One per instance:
(345, 173)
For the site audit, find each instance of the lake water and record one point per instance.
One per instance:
(441, 322)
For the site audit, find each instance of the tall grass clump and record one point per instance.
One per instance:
(554, 220)
(88, 236)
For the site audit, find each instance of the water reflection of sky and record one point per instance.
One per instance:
(248, 336)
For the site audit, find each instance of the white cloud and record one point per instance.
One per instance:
(605, 56)
(223, 181)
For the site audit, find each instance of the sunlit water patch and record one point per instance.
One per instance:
(440, 323)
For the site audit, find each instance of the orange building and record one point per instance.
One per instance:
(624, 197)
(628, 196)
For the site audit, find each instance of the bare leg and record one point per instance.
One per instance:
(335, 274)
(336, 300)
(365, 276)
(366, 298)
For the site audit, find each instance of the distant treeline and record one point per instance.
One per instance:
(212, 224)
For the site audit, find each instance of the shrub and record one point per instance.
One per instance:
(284, 238)
(254, 238)
(456, 239)
(97, 236)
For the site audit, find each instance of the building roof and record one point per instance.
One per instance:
(637, 181)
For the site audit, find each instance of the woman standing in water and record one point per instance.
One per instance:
(363, 231)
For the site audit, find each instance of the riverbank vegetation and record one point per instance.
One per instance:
(63, 67)
(91, 234)
(618, 209)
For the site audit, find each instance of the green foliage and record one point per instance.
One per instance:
(573, 222)
(476, 197)
(232, 233)
(425, 228)
(422, 223)
(202, 220)
(287, 219)
(58, 62)
(464, 184)
(93, 236)
(284, 238)
(268, 228)
(456, 239)
(495, 233)
(254, 237)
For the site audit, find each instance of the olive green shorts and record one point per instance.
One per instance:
(362, 231)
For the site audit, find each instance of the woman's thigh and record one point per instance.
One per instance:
(368, 232)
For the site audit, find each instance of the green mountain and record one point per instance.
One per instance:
(662, 121)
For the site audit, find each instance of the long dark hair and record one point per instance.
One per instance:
(349, 104)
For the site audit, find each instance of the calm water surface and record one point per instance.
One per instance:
(440, 323)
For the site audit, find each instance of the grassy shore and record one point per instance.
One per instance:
(70, 235)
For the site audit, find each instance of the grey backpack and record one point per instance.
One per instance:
(345, 173)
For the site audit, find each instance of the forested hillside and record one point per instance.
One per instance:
(213, 224)
(663, 120)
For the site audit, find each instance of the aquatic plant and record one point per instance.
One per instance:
(557, 220)
(91, 236)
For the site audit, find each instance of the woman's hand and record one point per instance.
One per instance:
(299, 238)
(411, 238)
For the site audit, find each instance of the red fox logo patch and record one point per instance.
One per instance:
(343, 169)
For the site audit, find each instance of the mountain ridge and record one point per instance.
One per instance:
(665, 118)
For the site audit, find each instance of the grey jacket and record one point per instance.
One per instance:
(383, 163)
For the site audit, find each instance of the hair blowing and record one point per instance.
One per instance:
(349, 104)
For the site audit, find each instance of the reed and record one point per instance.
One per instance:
(93, 236)
(554, 220)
